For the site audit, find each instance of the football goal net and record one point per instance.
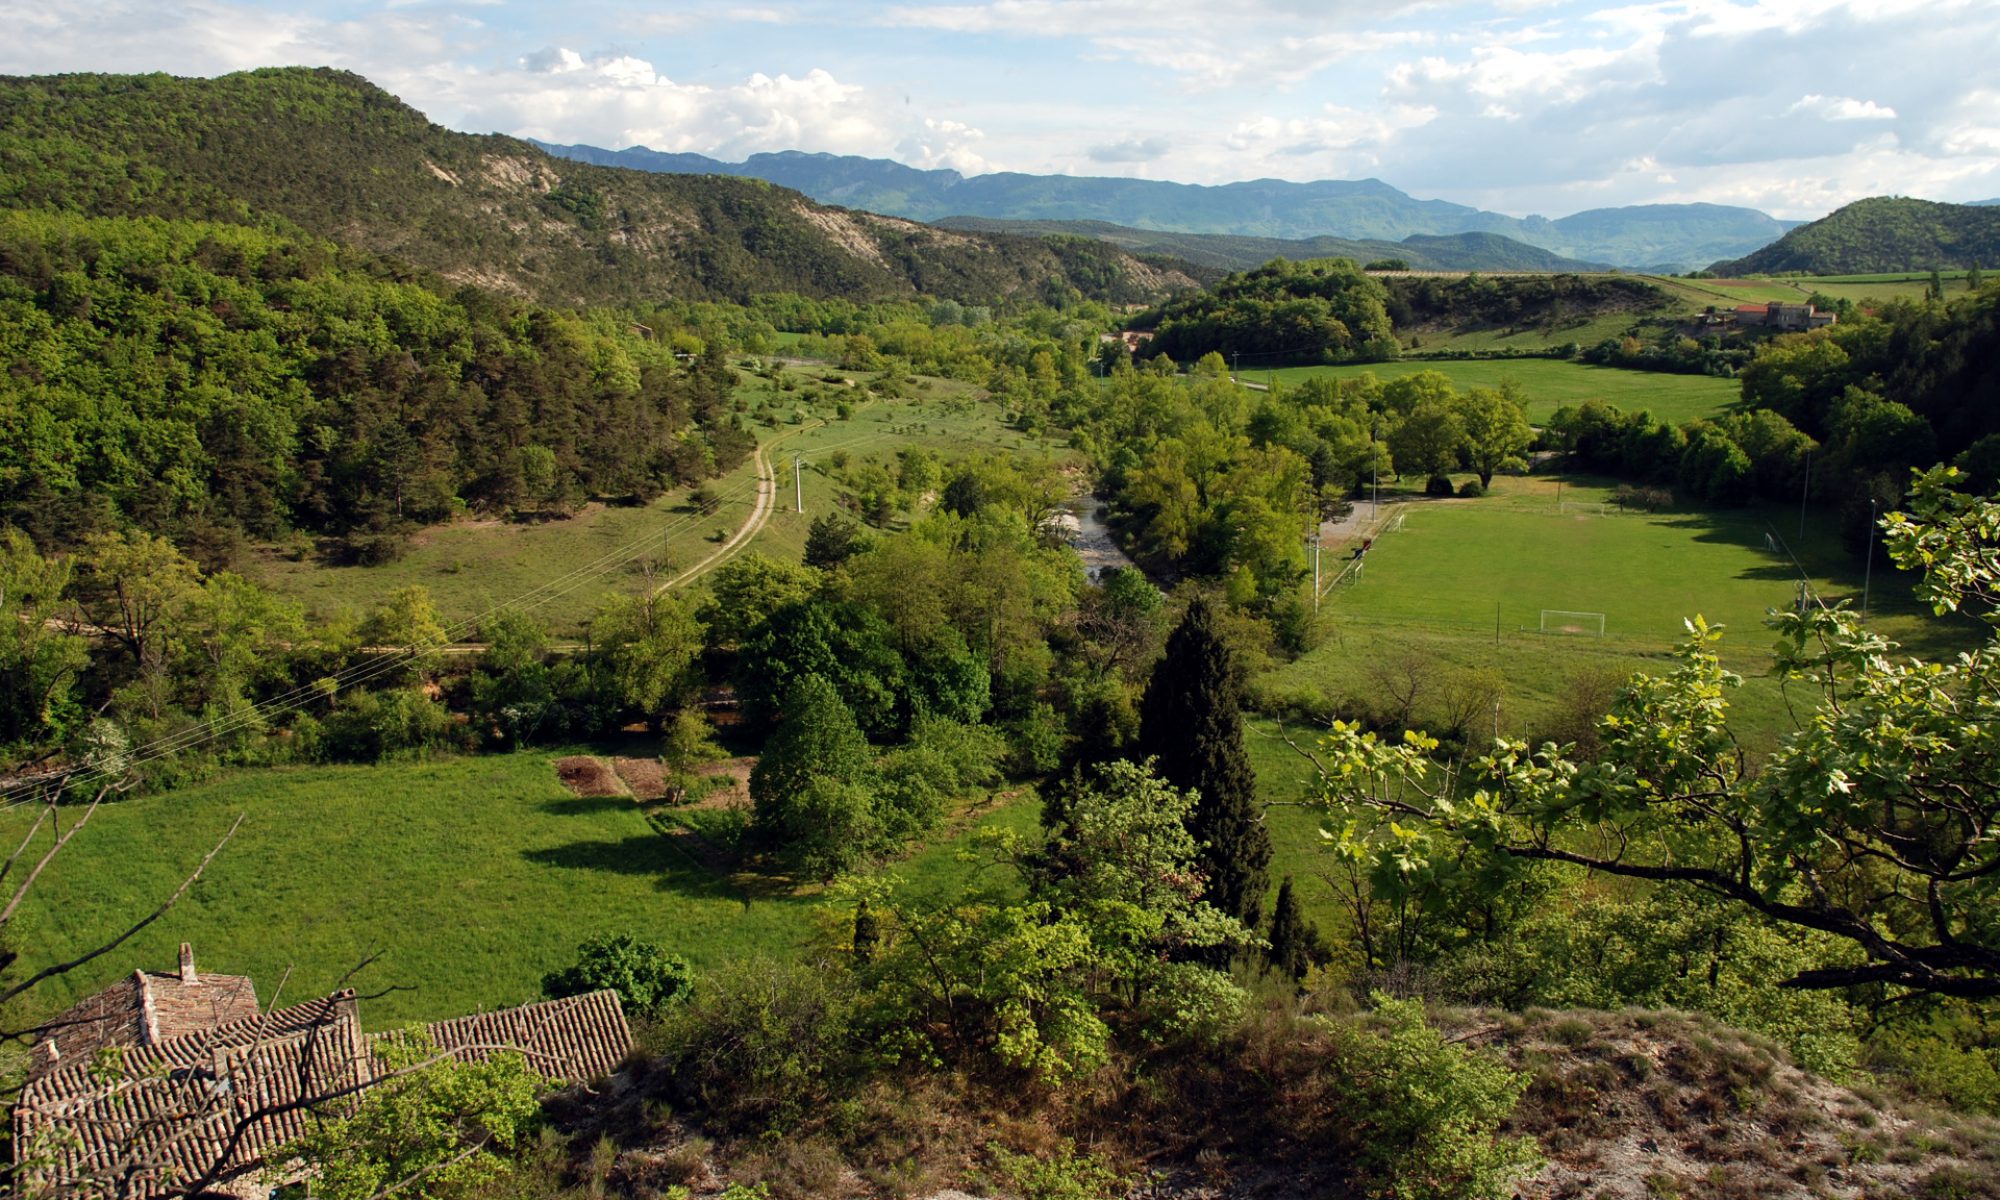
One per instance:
(1557, 620)
(1395, 524)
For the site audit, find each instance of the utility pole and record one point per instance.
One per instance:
(798, 484)
(1315, 575)
(1868, 571)
(1804, 491)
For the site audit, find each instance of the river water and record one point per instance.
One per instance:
(1093, 541)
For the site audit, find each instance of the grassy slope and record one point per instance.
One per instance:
(471, 876)
(1550, 383)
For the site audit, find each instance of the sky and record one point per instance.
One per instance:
(1520, 106)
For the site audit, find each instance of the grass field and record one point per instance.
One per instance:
(1464, 584)
(1551, 383)
(470, 876)
(472, 565)
(1862, 289)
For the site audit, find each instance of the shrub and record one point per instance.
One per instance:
(647, 979)
(1062, 1175)
(1470, 489)
(1423, 1114)
(759, 1044)
(1438, 485)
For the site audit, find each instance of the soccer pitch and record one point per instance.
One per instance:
(1465, 583)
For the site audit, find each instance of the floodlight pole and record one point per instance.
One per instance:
(798, 484)
(1868, 570)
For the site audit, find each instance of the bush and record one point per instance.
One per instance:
(1423, 1114)
(368, 727)
(1438, 485)
(1063, 1175)
(1471, 489)
(647, 979)
(759, 1045)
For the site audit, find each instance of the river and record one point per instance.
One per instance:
(1093, 541)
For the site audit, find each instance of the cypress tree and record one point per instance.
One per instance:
(1295, 943)
(867, 933)
(1190, 722)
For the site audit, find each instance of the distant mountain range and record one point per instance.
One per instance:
(327, 153)
(1228, 252)
(1657, 237)
(1883, 233)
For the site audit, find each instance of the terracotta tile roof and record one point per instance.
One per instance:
(144, 1009)
(573, 1040)
(169, 1112)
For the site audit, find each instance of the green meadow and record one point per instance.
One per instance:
(1548, 384)
(468, 878)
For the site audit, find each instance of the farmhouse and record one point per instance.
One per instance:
(165, 1083)
(1780, 315)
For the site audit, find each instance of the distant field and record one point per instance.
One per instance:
(1861, 289)
(1551, 383)
(472, 565)
(1587, 333)
(471, 876)
(1464, 583)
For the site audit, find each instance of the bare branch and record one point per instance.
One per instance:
(66, 967)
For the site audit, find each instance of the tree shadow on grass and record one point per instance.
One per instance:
(672, 866)
(583, 806)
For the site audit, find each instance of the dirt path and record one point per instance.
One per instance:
(760, 513)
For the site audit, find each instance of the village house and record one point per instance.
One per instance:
(168, 1081)
(1780, 315)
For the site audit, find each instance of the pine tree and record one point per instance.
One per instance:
(1190, 723)
(1295, 941)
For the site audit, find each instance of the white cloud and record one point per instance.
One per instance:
(1842, 108)
(944, 144)
(559, 94)
(1130, 150)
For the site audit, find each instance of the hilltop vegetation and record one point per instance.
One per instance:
(327, 153)
(1883, 233)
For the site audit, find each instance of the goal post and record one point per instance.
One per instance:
(1559, 620)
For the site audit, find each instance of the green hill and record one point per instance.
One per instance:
(326, 153)
(1228, 252)
(1884, 233)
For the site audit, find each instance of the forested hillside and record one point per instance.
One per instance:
(1883, 233)
(206, 380)
(327, 153)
